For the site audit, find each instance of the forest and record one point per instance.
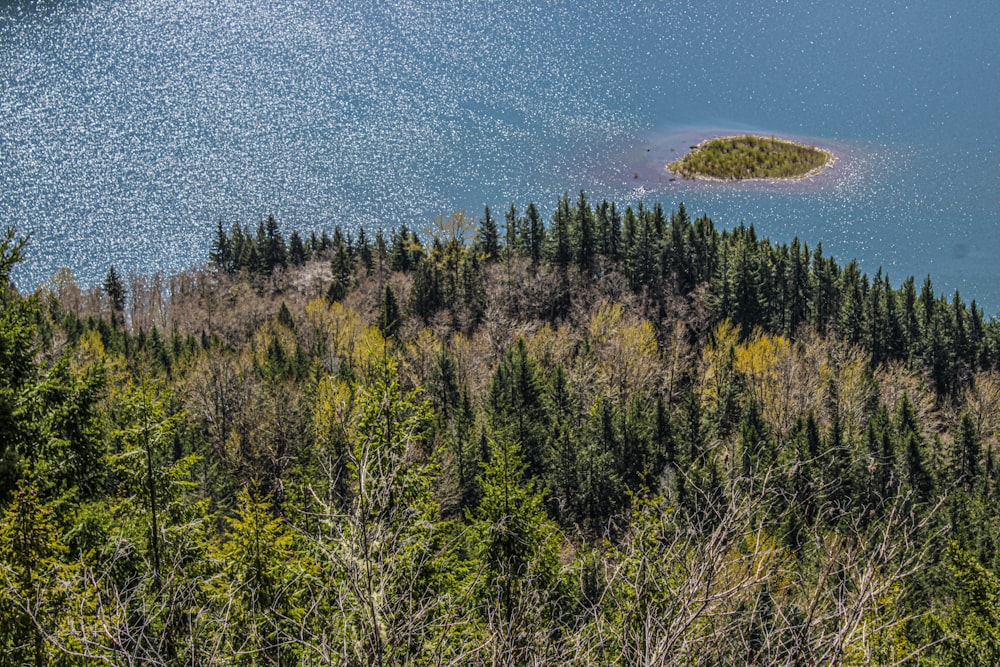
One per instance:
(600, 435)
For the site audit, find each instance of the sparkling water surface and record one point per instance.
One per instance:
(129, 127)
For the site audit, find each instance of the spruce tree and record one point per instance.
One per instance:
(535, 233)
(517, 405)
(968, 452)
(115, 290)
(221, 252)
(296, 250)
(388, 313)
(583, 234)
(275, 252)
(512, 237)
(488, 237)
(425, 297)
(343, 272)
(364, 250)
(518, 548)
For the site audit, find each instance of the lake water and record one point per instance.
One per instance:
(128, 128)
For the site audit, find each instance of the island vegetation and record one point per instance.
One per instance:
(605, 436)
(751, 157)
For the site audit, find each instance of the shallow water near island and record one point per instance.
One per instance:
(129, 127)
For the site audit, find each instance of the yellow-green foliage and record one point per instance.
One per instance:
(748, 156)
(625, 348)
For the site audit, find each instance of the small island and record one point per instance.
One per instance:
(751, 157)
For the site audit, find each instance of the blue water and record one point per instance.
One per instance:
(128, 127)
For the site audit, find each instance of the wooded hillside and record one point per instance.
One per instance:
(599, 436)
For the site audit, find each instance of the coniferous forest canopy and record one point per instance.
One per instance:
(591, 435)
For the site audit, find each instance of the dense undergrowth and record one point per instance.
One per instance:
(621, 437)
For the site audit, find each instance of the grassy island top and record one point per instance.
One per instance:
(751, 157)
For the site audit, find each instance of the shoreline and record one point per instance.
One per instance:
(831, 160)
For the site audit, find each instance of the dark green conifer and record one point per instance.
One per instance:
(512, 234)
(425, 297)
(388, 313)
(324, 242)
(296, 250)
(517, 406)
(968, 453)
(285, 317)
(364, 250)
(115, 291)
(488, 237)
(534, 233)
(850, 323)
(399, 249)
(562, 251)
(221, 252)
(343, 272)
(584, 243)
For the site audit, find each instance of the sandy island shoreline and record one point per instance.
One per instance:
(831, 159)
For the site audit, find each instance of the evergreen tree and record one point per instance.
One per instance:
(535, 233)
(917, 472)
(343, 272)
(221, 252)
(518, 550)
(244, 250)
(296, 250)
(712, 509)
(260, 245)
(512, 234)
(797, 287)
(256, 557)
(748, 305)
(425, 298)
(274, 252)
(517, 406)
(664, 445)
(637, 257)
(720, 297)
(756, 457)
(583, 233)
(692, 448)
(31, 550)
(115, 290)
(364, 250)
(968, 453)
(875, 335)
(927, 305)
(851, 319)
(60, 412)
(472, 288)
(19, 346)
(703, 242)
(388, 313)
(562, 251)
(609, 229)
(488, 237)
(601, 485)
(895, 346)
(909, 318)
(338, 237)
(824, 300)
(399, 250)
(675, 255)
